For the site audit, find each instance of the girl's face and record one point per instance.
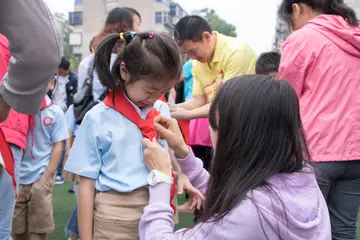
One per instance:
(145, 92)
(136, 23)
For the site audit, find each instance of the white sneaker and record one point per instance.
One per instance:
(59, 180)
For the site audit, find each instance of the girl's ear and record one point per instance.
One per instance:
(124, 73)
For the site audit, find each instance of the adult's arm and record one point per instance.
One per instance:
(35, 49)
(157, 220)
(239, 63)
(153, 219)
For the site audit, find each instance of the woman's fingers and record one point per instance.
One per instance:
(162, 120)
(163, 132)
(146, 142)
(150, 144)
(180, 186)
(192, 191)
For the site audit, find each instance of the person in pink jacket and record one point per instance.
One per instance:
(321, 60)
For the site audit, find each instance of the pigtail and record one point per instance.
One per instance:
(102, 60)
(110, 78)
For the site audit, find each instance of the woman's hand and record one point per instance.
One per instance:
(169, 130)
(156, 157)
(196, 197)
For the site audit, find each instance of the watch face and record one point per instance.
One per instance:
(152, 178)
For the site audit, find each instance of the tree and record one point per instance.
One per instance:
(218, 24)
(74, 64)
(65, 30)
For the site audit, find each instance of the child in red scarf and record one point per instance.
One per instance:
(107, 153)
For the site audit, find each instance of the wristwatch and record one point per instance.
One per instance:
(156, 177)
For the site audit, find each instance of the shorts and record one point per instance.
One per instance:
(33, 210)
(117, 215)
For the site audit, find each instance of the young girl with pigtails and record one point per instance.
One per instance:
(107, 153)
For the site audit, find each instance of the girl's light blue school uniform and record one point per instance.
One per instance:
(41, 144)
(108, 149)
(70, 120)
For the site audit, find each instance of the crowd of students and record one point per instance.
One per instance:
(258, 157)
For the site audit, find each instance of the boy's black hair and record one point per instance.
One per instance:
(191, 28)
(268, 62)
(133, 11)
(64, 64)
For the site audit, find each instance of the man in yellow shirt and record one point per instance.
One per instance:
(218, 59)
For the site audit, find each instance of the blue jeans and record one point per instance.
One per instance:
(72, 226)
(61, 163)
(7, 195)
(340, 185)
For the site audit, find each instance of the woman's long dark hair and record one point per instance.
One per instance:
(334, 7)
(259, 134)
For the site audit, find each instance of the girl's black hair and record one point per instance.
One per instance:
(145, 55)
(334, 7)
(259, 134)
(133, 12)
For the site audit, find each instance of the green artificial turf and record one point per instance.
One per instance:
(64, 203)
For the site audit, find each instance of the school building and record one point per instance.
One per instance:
(89, 16)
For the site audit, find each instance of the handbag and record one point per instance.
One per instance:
(84, 98)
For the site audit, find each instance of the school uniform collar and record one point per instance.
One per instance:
(46, 103)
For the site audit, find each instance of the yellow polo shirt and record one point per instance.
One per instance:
(232, 58)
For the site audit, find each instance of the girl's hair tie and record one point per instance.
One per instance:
(151, 35)
(122, 36)
(133, 34)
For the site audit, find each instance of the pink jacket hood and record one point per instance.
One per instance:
(336, 29)
(321, 61)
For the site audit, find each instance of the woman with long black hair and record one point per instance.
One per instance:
(261, 184)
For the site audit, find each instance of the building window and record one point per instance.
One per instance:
(165, 2)
(158, 17)
(173, 10)
(75, 18)
(78, 2)
(166, 17)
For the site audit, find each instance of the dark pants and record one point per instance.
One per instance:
(61, 163)
(204, 153)
(340, 185)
